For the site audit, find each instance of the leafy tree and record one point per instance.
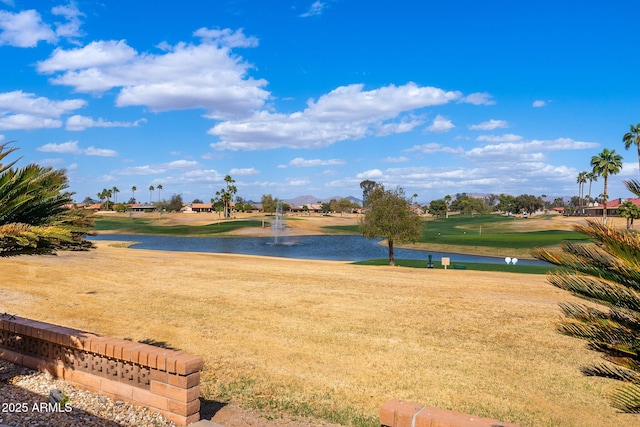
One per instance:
(390, 216)
(468, 204)
(633, 137)
(605, 164)
(605, 272)
(558, 201)
(438, 207)
(529, 203)
(197, 201)
(175, 204)
(34, 210)
(342, 205)
(367, 186)
(269, 204)
(629, 211)
(325, 207)
(507, 203)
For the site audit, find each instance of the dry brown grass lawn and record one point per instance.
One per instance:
(329, 335)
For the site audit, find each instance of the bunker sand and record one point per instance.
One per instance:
(337, 338)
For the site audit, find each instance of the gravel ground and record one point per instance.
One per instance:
(24, 395)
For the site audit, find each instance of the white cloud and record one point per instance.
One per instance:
(187, 76)
(71, 28)
(539, 103)
(159, 168)
(24, 29)
(315, 9)
(71, 147)
(371, 174)
(28, 122)
(24, 111)
(27, 103)
(515, 148)
(226, 37)
(101, 152)
(401, 159)
(478, 98)
(244, 171)
(94, 55)
(346, 113)
(440, 125)
(27, 29)
(78, 123)
(300, 162)
(298, 182)
(490, 125)
(509, 137)
(434, 147)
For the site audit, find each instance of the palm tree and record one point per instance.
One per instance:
(115, 194)
(605, 164)
(415, 196)
(133, 192)
(151, 188)
(605, 273)
(591, 177)
(582, 179)
(633, 137)
(159, 187)
(34, 213)
(447, 202)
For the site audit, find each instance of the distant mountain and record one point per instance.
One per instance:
(308, 200)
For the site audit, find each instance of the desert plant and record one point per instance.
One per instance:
(607, 273)
(34, 210)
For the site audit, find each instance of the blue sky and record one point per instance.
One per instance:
(311, 97)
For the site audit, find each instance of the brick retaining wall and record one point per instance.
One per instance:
(398, 413)
(165, 381)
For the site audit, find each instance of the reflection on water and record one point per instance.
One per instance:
(323, 247)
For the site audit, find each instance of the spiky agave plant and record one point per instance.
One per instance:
(607, 273)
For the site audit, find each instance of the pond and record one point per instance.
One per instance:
(321, 247)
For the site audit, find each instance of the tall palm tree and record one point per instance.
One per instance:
(115, 194)
(605, 164)
(591, 177)
(633, 137)
(159, 187)
(151, 188)
(133, 192)
(415, 196)
(447, 202)
(582, 179)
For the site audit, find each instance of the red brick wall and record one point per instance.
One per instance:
(398, 413)
(163, 380)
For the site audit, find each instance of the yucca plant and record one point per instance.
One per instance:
(605, 272)
(34, 212)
